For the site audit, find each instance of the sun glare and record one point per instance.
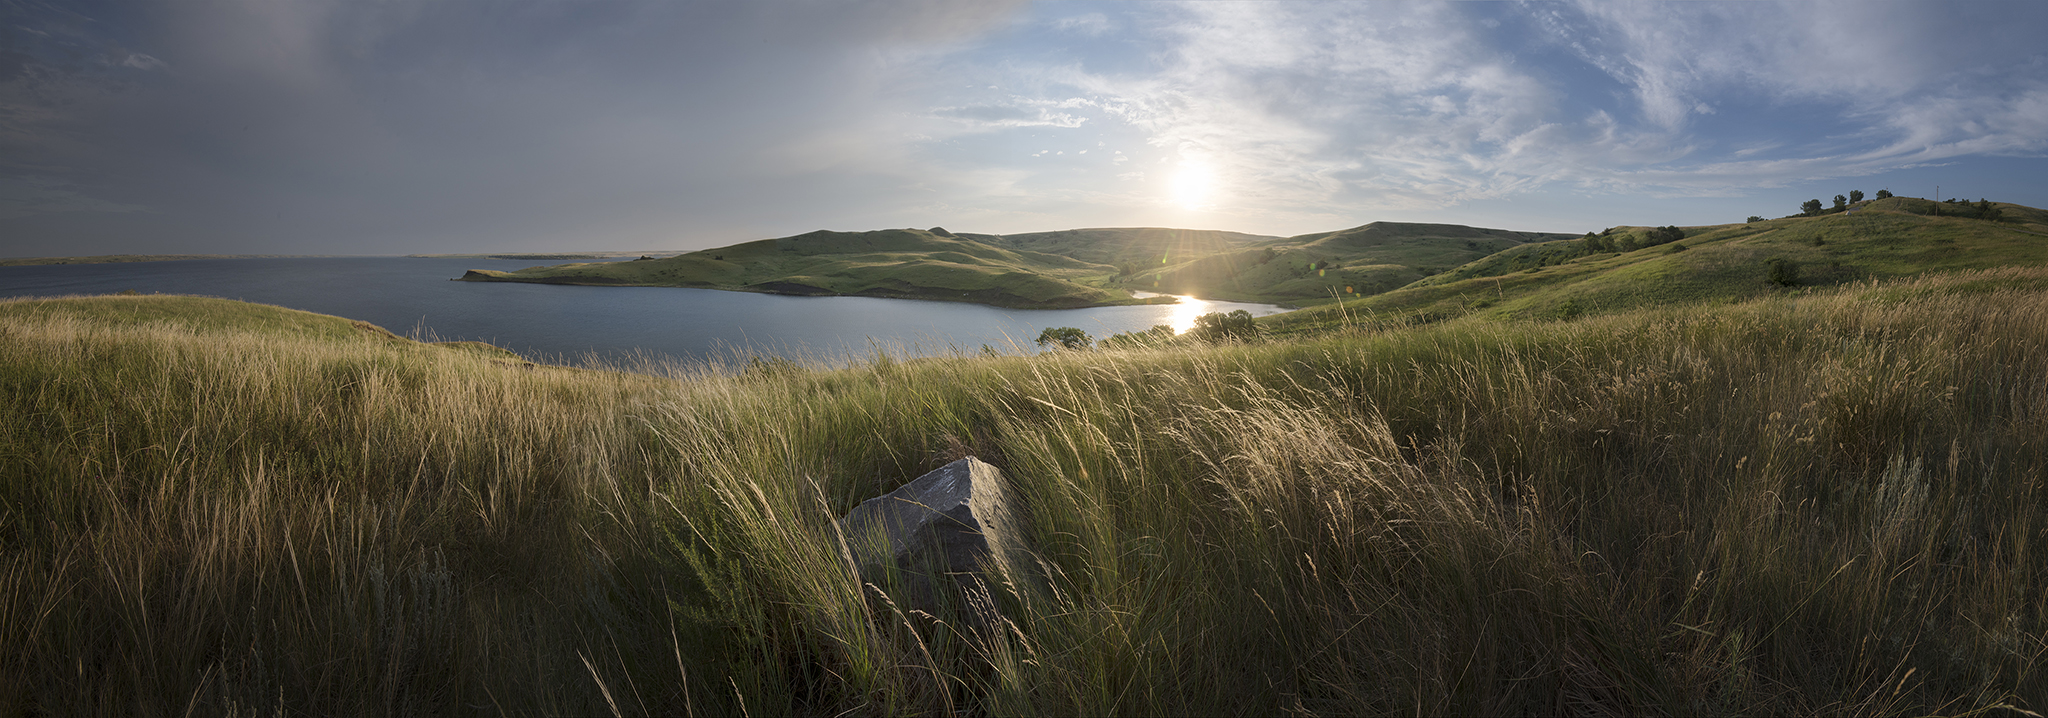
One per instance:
(1182, 316)
(1193, 186)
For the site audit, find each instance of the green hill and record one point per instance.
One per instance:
(1313, 268)
(1127, 248)
(895, 263)
(1065, 268)
(1893, 237)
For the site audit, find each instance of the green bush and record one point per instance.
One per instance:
(1235, 326)
(1782, 272)
(1064, 338)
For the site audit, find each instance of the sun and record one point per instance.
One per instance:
(1194, 186)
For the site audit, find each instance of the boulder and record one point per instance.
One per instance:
(938, 535)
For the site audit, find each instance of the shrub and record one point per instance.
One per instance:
(1595, 243)
(1783, 272)
(1754, 219)
(1810, 208)
(1884, 194)
(1569, 309)
(1218, 327)
(1667, 234)
(1064, 338)
(1855, 195)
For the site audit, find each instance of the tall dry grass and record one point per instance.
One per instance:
(1827, 504)
(204, 519)
(1811, 505)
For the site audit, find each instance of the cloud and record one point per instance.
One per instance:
(140, 61)
(1020, 113)
(1310, 109)
(396, 126)
(405, 125)
(1092, 24)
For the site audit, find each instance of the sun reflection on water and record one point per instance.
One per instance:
(1181, 315)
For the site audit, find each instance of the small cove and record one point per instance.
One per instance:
(570, 324)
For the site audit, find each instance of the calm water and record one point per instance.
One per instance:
(557, 323)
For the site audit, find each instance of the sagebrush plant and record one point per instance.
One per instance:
(1810, 504)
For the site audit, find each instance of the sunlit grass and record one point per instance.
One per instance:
(1827, 504)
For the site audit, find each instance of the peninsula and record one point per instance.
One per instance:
(929, 264)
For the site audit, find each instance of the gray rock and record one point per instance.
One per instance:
(938, 535)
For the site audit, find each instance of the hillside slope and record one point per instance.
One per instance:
(208, 316)
(895, 263)
(1313, 268)
(1127, 248)
(1894, 237)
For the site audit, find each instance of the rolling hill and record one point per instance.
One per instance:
(1315, 268)
(1059, 269)
(1127, 248)
(1879, 239)
(895, 263)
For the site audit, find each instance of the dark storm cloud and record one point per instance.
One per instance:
(398, 127)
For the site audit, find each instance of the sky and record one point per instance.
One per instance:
(453, 126)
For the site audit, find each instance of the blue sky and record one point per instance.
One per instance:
(257, 126)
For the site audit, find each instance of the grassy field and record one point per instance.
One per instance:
(1828, 503)
(897, 263)
(1881, 239)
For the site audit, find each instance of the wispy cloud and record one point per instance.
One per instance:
(1017, 112)
(642, 123)
(1309, 109)
(1092, 24)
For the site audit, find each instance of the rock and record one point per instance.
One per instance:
(940, 534)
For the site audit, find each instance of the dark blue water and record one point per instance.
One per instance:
(565, 323)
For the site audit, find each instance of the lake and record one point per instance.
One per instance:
(555, 323)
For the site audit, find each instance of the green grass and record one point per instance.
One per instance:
(1882, 239)
(902, 263)
(1316, 268)
(1067, 268)
(1824, 504)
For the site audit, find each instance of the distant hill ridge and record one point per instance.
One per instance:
(893, 263)
(1627, 267)
(1405, 266)
(1323, 266)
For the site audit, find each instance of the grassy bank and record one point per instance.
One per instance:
(1824, 504)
